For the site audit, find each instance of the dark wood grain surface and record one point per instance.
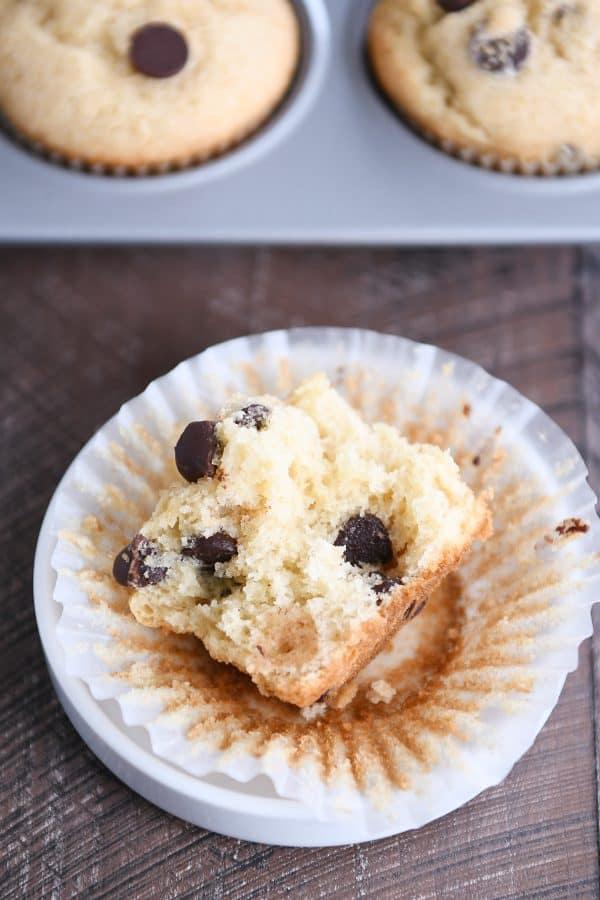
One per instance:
(82, 330)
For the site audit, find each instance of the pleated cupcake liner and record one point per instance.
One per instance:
(444, 711)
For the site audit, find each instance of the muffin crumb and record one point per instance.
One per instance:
(381, 691)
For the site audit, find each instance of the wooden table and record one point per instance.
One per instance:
(82, 331)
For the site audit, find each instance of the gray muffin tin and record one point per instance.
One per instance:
(334, 165)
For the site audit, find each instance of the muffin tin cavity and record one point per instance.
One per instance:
(158, 52)
(450, 105)
(334, 164)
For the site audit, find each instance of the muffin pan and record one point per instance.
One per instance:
(334, 165)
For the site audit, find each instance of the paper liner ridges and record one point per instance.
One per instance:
(471, 681)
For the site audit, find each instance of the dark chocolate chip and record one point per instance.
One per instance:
(476, 460)
(122, 565)
(195, 451)
(253, 416)
(217, 548)
(572, 526)
(158, 50)
(454, 5)
(500, 54)
(385, 585)
(559, 14)
(366, 540)
(408, 610)
(565, 9)
(130, 568)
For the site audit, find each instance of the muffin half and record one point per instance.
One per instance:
(299, 540)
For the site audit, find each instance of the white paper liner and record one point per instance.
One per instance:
(528, 592)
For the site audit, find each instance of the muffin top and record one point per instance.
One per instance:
(136, 83)
(518, 79)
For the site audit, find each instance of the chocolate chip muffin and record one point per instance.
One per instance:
(507, 83)
(151, 84)
(299, 539)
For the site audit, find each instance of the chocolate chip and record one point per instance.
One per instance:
(158, 50)
(195, 451)
(253, 416)
(216, 548)
(419, 608)
(385, 585)
(454, 5)
(366, 540)
(500, 54)
(476, 460)
(572, 526)
(563, 10)
(122, 565)
(130, 569)
(559, 14)
(408, 610)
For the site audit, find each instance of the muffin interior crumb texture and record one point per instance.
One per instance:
(300, 539)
